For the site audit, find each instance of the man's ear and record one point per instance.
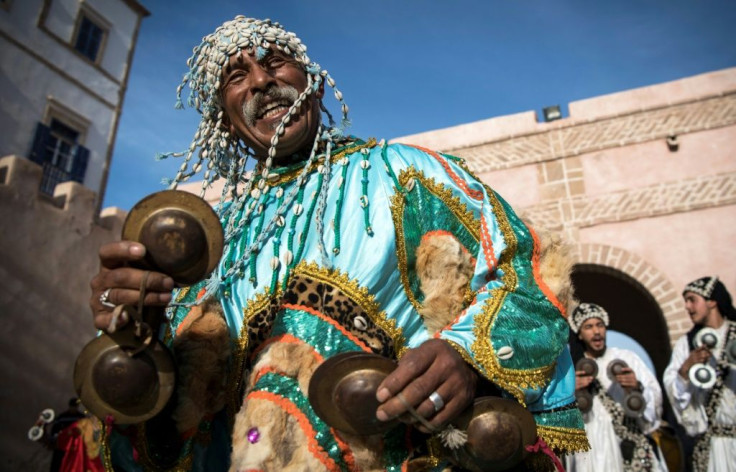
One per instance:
(227, 124)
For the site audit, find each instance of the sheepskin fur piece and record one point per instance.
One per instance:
(282, 444)
(201, 349)
(445, 268)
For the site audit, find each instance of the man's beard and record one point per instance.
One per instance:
(253, 108)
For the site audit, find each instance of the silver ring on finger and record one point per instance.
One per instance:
(105, 299)
(437, 401)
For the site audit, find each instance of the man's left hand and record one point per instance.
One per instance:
(627, 378)
(435, 366)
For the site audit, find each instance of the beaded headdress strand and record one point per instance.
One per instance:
(225, 155)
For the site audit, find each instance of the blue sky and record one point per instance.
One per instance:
(407, 66)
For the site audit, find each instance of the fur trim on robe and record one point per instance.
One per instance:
(201, 349)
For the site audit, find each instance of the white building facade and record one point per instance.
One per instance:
(64, 67)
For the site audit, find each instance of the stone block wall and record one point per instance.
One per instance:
(48, 254)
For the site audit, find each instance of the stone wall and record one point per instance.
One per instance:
(48, 254)
(642, 181)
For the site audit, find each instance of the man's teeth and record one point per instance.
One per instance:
(273, 109)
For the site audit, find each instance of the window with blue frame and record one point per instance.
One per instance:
(55, 147)
(90, 37)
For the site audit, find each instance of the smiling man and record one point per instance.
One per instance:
(708, 415)
(616, 440)
(326, 254)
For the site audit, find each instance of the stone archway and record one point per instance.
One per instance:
(641, 301)
(667, 297)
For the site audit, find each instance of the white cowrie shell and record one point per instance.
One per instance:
(505, 353)
(279, 193)
(255, 193)
(288, 257)
(275, 263)
(298, 208)
(410, 184)
(360, 323)
(365, 164)
(280, 221)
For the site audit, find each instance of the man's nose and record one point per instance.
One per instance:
(261, 79)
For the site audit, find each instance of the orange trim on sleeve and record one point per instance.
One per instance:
(487, 243)
(538, 274)
(476, 194)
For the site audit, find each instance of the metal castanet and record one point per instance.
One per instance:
(704, 375)
(128, 376)
(634, 402)
(342, 392)
(498, 432)
(584, 397)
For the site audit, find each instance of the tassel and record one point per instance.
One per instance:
(541, 445)
(453, 438)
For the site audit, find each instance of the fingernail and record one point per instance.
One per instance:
(136, 250)
(168, 283)
(381, 415)
(383, 395)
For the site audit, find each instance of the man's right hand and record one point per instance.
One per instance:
(582, 379)
(699, 355)
(124, 282)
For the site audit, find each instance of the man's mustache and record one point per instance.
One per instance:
(253, 108)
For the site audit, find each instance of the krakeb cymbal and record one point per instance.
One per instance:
(342, 392)
(126, 388)
(498, 431)
(181, 232)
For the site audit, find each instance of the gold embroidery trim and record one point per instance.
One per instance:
(565, 440)
(240, 351)
(512, 380)
(398, 205)
(359, 294)
(350, 287)
(294, 173)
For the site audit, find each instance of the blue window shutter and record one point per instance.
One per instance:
(79, 167)
(38, 148)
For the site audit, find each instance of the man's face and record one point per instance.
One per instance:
(257, 94)
(698, 307)
(593, 334)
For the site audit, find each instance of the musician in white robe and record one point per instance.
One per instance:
(707, 413)
(619, 439)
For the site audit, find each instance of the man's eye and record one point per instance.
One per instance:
(236, 77)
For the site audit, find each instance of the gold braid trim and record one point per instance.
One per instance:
(564, 440)
(105, 449)
(512, 380)
(398, 205)
(240, 351)
(309, 269)
(291, 175)
(357, 293)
